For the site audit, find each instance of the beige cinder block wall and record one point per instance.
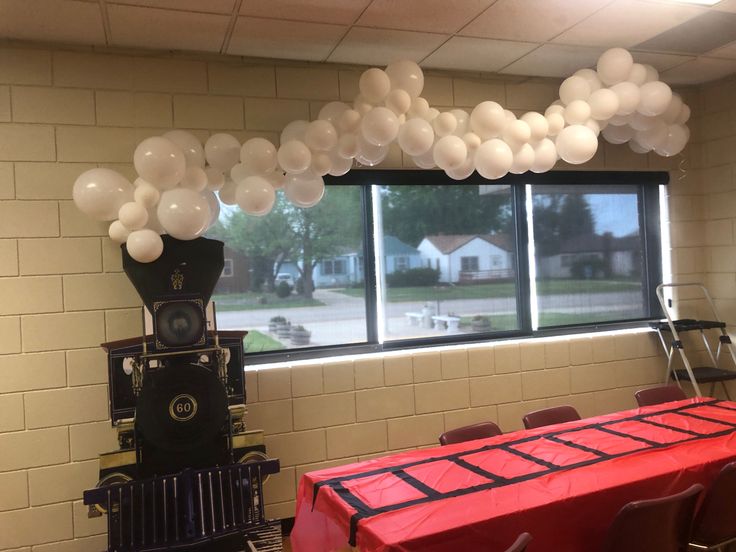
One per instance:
(62, 292)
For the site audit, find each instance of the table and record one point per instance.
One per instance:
(562, 483)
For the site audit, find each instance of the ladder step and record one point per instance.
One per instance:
(705, 374)
(687, 325)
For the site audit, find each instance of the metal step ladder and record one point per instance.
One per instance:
(714, 373)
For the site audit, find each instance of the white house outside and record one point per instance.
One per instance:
(469, 257)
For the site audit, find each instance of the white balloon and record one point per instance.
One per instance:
(332, 112)
(340, 165)
(183, 213)
(374, 85)
(295, 130)
(426, 160)
(538, 125)
(195, 179)
(516, 134)
(593, 125)
(294, 157)
(463, 171)
(487, 120)
(684, 115)
(555, 123)
(673, 109)
(146, 195)
(133, 215)
(637, 121)
(450, 152)
(99, 193)
(652, 73)
(240, 172)
(604, 104)
(444, 124)
(222, 151)
(117, 232)
(555, 108)
(594, 82)
(370, 154)
(614, 66)
(398, 101)
(304, 190)
(463, 121)
(574, 88)
(227, 192)
(638, 74)
(576, 144)
(144, 246)
(545, 156)
(361, 105)
(349, 121)
(189, 145)
(380, 126)
(619, 120)
(431, 114)
(320, 136)
(406, 75)
(160, 162)
(347, 146)
(416, 137)
(215, 179)
(493, 159)
(637, 147)
(419, 108)
(472, 141)
(652, 137)
(618, 134)
(577, 112)
(523, 160)
(214, 205)
(321, 164)
(510, 115)
(675, 140)
(153, 222)
(255, 196)
(276, 179)
(655, 98)
(628, 97)
(259, 155)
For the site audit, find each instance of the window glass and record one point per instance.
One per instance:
(588, 254)
(446, 281)
(298, 278)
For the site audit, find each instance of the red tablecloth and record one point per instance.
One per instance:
(563, 483)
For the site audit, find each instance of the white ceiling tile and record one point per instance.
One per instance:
(52, 21)
(628, 22)
(477, 54)
(554, 60)
(382, 46)
(429, 16)
(338, 12)
(530, 20)
(273, 38)
(661, 62)
(728, 51)
(208, 6)
(699, 70)
(166, 29)
(726, 5)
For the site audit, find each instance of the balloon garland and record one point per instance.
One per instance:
(175, 192)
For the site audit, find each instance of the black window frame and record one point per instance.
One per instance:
(648, 183)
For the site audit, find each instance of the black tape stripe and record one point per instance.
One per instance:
(531, 458)
(715, 403)
(578, 446)
(607, 429)
(477, 469)
(706, 419)
(418, 485)
(672, 428)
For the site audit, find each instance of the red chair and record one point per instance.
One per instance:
(549, 416)
(715, 521)
(521, 543)
(482, 430)
(659, 524)
(659, 395)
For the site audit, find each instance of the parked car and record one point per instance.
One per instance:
(284, 277)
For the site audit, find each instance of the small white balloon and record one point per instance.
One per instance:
(361, 105)
(195, 179)
(555, 123)
(472, 141)
(144, 246)
(419, 108)
(294, 157)
(349, 121)
(146, 195)
(510, 115)
(398, 101)
(416, 137)
(638, 74)
(555, 108)
(604, 104)
(295, 130)
(370, 154)
(255, 196)
(523, 160)
(444, 124)
(320, 136)
(340, 165)
(538, 125)
(493, 159)
(577, 112)
(304, 190)
(426, 160)
(684, 115)
(463, 121)
(406, 75)
(574, 88)
(380, 126)
(614, 66)
(545, 156)
(516, 134)
(618, 134)
(431, 114)
(215, 179)
(332, 112)
(628, 97)
(214, 204)
(674, 142)
(159, 161)
(655, 98)
(227, 192)
(450, 152)
(117, 232)
(636, 147)
(189, 145)
(222, 151)
(653, 136)
(321, 164)
(374, 85)
(652, 73)
(593, 125)
(347, 146)
(240, 172)
(276, 179)
(594, 82)
(487, 120)
(99, 193)
(637, 121)
(673, 109)
(259, 155)
(184, 214)
(133, 215)
(576, 144)
(463, 171)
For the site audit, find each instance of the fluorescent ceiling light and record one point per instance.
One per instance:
(698, 2)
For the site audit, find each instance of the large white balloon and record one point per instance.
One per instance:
(577, 112)
(574, 88)
(628, 97)
(294, 157)
(463, 121)
(673, 109)
(416, 136)
(653, 136)
(538, 125)
(450, 152)
(618, 134)
(674, 141)
(133, 215)
(655, 98)
(488, 120)
(320, 136)
(259, 155)
(419, 108)
(516, 134)
(545, 156)
(321, 163)
(255, 196)
(614, 66)
(493, 159)
(347, 146)
(214, 204)
(577, 144)
(295, 130)
(340, 165)
(117, 232)
(195, 179)
(183, 213)
(189, 145)
(144, 246)
(604, 104)
(222, 151)
(374, 85)
(99, 193)
(380, 126)
(370, 154)
(349, 121)
(523, 160)
(160, 162)
(304, 190)
(444, 124)
(590, 75)
(406, 75)
(399, 101)
(425, 160)
(332, 112)
(638, 74)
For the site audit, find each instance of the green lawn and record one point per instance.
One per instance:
(255, 301)
(501, 322)
(492, 291)
(256, 341)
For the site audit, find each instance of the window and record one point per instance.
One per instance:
(227, 269)
(392, 259)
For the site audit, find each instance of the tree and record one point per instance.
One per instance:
(558, 218)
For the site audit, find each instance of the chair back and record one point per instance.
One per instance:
(521, 543)
(483, 430)
(549, 416)
(715, 521)
(661, 524)
(659, 395)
